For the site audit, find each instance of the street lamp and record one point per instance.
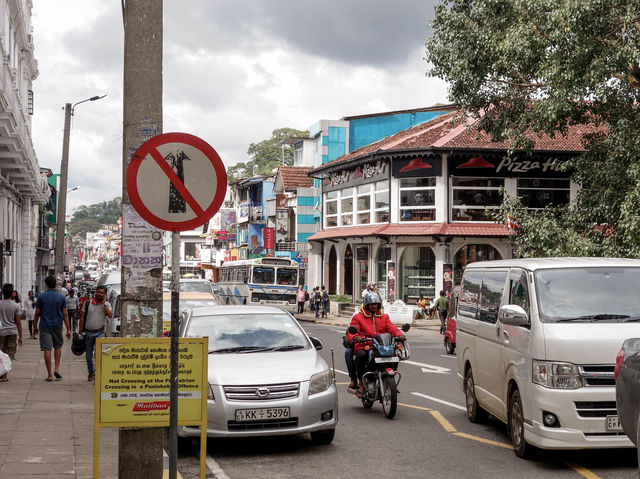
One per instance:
(62, 189)
(73, 189)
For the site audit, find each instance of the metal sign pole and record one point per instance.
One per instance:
(173, 391)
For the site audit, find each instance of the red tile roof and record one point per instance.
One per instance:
(423, 229)
(457, 130)
(294, 177)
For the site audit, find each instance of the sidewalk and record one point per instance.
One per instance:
(343, 321)
(46, 428)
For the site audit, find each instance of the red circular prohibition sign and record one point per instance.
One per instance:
(150, 148)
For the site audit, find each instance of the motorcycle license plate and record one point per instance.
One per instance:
(262, 413)
(392, 359)
(613, 423)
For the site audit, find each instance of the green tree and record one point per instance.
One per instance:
(267, 154)
(92, 217)
(540, 66)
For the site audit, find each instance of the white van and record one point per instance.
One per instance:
(537, 341)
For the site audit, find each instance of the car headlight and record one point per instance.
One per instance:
(556, 375)
(320, 382)
(210, 395)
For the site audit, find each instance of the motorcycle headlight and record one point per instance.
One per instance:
(556, 375)
(210, 395)
(320, 382)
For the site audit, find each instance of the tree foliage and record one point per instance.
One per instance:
(93, 217)
(267, 154)
(542, 66)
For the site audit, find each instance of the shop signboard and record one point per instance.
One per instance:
(417, 166)
(268, 238)
(509, 166)
(370, 172)
(282, 225)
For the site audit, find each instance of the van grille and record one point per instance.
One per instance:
(269, 392)
(596, 408)
(600, 375)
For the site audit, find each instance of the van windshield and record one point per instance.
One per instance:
(588, 294)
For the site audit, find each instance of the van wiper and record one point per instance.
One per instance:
(289, 347)
(635, 319)
(594, 317)
(240, 349)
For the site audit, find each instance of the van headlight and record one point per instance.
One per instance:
(210, 395)
(556, 375)
(320, 382)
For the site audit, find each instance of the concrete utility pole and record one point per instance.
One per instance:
(140, 450)
(62, 192)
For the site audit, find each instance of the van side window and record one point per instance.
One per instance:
(491, 295)
(519, 293)
(469, 294)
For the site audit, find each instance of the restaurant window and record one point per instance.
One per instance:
(381, 202)
(363, 202)
(331, 209)
(418, 273)
(470, 253)
(537, 193)
(384, 255)
(418, 199)
(474, 198)
(346, 207)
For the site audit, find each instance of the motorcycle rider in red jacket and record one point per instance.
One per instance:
(369, 321)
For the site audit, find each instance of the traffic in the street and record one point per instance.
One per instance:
(429, 436)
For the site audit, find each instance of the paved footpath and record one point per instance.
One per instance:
(46, 428)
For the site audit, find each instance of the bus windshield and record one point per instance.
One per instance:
(262, 275)
(287, 276)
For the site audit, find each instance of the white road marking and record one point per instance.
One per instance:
(215, 469)
(448, 356)
(342, 331)
(429, 368)
(342, 372)
(441, 401)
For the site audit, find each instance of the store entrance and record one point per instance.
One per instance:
(348, 271)
(333, 268)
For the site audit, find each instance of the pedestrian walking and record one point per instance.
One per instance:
(93, 319)
(51, 313)
(72, 309)
(301, 295)
(442, 306)
(30, 312)
(325, 301)
(10, 325)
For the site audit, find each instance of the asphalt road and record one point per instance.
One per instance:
(429, 437)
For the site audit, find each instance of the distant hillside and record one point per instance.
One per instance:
(92, 217)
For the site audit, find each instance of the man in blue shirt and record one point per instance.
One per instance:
(51, 307)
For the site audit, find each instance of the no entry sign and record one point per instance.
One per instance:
(176, 181)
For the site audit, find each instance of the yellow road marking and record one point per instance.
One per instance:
(446, 425)
(165, 474)
(483, 440)
(341, 384)
(583, 471)
(415, 407)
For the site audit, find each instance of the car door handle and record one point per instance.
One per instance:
(505, 333)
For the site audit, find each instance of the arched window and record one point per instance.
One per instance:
(470, 253)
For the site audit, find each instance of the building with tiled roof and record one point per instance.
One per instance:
(410, 210)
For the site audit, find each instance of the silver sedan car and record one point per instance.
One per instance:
(265, 375)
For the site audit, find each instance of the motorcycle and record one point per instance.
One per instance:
(380, 383)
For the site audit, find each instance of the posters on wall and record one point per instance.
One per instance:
(143, 252)
(447, 277)
(282, 225)
(391, 281)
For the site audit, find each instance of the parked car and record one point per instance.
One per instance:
(108, 280)
(265, 375)
(536, 340)
(627, 375)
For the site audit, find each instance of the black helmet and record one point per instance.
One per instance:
(371, 298)
(78, 344)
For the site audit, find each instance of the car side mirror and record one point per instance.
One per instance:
(513, 315)
(316, 343)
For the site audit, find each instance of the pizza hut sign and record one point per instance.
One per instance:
(361, 174)
(535, 166)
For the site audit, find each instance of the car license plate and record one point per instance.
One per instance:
(613, 423)
(392, 359)
(272, 301)
(262, 414)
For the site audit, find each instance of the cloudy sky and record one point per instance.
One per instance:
(233, 72)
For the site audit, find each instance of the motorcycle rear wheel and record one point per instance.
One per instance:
(389, 397)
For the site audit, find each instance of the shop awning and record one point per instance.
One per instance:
(492, 230)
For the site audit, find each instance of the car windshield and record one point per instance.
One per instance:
(248, 332)
(195, 287)
(588, 294)
(287, 276)
(187, 304)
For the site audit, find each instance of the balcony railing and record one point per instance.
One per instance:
(291, 246)
(256, 214)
